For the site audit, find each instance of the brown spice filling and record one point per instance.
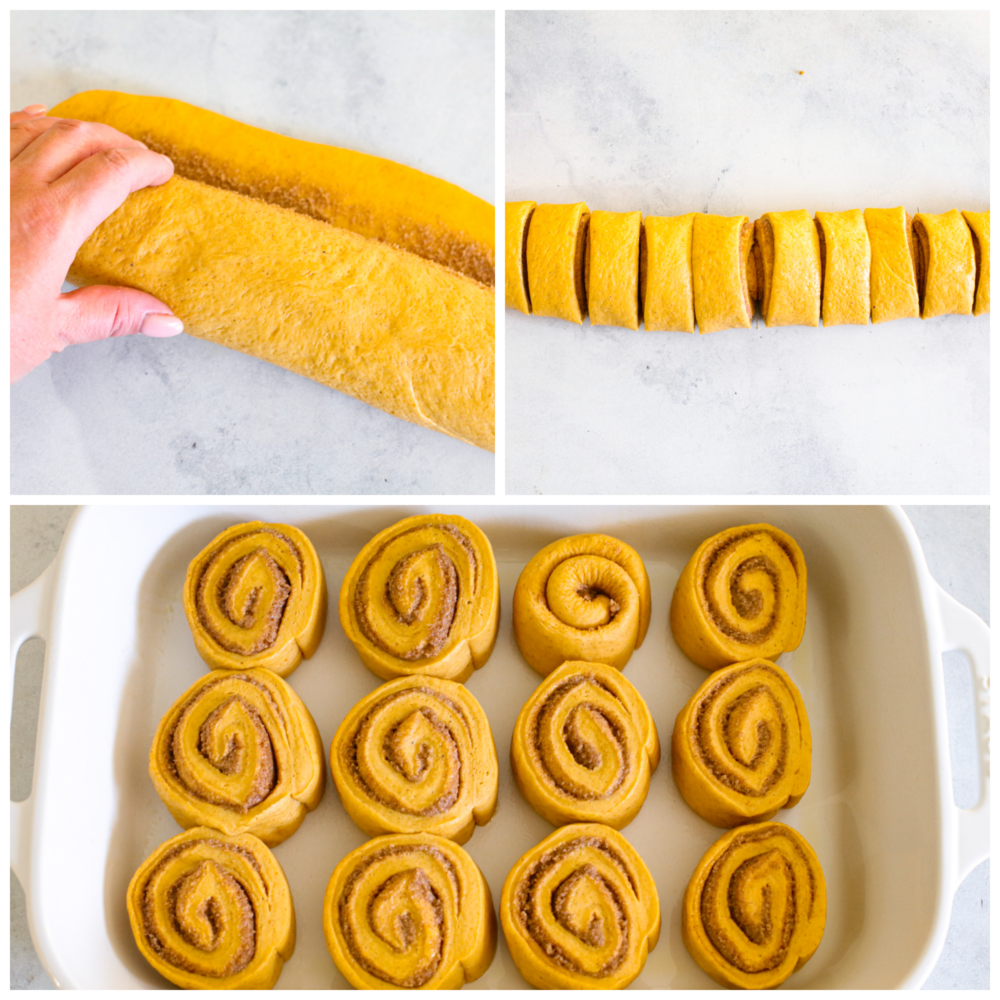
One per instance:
(246, 930)
(247, 616)
(423, 883)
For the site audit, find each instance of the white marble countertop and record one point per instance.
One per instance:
(742, 113)
(178, 416)
(955, 541)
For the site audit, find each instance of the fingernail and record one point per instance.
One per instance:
(34, 109)
(161, 325)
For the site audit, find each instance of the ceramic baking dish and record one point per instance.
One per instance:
(879, 812)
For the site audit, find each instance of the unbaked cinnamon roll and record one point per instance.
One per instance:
(584, 747)
(255, 596)
(947, 268)
(786, 252)
(417, 755)
(585, 597)
(211, 912)
(755, 908)
(979, 226)
(894, 264)
(580, 910)
(239, 752)
(409, 911)
(517, 218)
(422, 597)
(555, 251)
(742, 595)
(742, 748)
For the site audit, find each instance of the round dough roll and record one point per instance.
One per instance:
(584, 747)
(210, 911)
(742, 747)
(742, 595)
(786, 246)
(947, 264)
(979, 223)
(255, 596)
(239, 752)
(755, 908)
(417, 756)
(585, 597)
(409, 911)
(555, 252)
(846, 257)
(894, 267)
(613, 269)
(720, 265)
(580, 910)
(422, 597)
(517, 218)
(665, 273)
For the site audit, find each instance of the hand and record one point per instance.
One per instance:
(66, 178)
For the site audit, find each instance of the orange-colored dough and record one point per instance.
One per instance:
(846, 255)
(365, 194)
(720, 248)
(613, 269)
(517, 218)
(789, 250)
(949, 263)
(979, 223)
(894, 274)
(667, 289)
(556, 247)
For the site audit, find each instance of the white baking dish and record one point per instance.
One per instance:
(879, 812)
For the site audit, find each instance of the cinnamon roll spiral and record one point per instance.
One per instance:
(742, 595)
(210, 911)
(755, 908)
(742, 748)
(409, 911)
(585, 597)
(417, 755)
(422, 597)
(239, 752)
(584, 747)
(255, 596)
(580, 910)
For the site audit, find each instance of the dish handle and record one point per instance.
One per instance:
(29, 618)
(966, 632)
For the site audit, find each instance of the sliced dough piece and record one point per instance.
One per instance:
(979, 223)
(517, 218)
(557, 241)
(720, 249)
(665, 270)
(613, 269)
(894, 264)
(948, 264)
(846, 259)
(787, 246)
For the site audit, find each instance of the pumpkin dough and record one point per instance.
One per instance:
(846, 257)
(555, 252)
(720, 248)
(894, 269)
(667, 290)
(979, 223)
(517, 218)
(613, 269)
(948, 264)
(786, 247)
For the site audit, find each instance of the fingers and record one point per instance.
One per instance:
(93, 189)
(24, 129)
(103, 311)
(31, 111)
(56, 148)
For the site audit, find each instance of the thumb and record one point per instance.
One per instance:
(103, 311)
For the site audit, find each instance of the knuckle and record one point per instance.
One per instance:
(114, 160)
(70, 126)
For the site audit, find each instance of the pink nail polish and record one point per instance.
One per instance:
(35, 109)
(161, 325)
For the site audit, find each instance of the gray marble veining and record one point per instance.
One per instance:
(138, 415)
(741, 113)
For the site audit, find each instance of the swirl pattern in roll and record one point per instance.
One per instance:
(210, 911)
(755, 908)
(417, 755)
(239, 751)
(422, 597)
(585, 597)
(742, 595)
(255, 596)
(742, 747)
(580, 910)
(584, 747)
(409, 911)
